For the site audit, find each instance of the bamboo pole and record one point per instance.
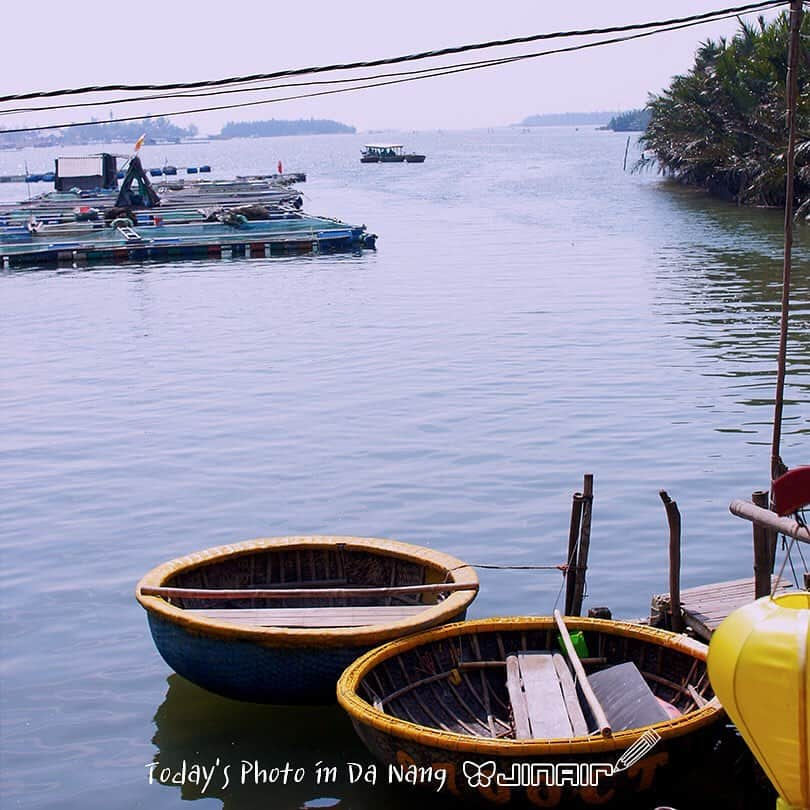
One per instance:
(603, 726)
(792, 92)
(756, 514)
(584, 545)
(764, 550)
(674, 521)
(573, 547)
(302, 593)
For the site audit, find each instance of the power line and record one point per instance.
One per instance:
(318, 83)
(695, 18)
(425, 73)
(438, 70)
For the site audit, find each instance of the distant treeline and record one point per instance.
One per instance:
(156, 129)
(630, 121)
(273, 128)
(721, 126)
(567, 119)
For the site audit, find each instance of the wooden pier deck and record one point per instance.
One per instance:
(705, 606)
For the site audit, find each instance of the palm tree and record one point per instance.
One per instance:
(722, 126)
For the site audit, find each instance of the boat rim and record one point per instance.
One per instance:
(364, 713)
(364, 636)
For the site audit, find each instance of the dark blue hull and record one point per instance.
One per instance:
(253, 672)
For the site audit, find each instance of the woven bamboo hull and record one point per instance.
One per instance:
(280, 664)
(622, 790)
(408, 714)
(243, 670)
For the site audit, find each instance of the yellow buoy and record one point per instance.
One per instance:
(759, 669)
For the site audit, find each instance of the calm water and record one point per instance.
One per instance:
(532, 313)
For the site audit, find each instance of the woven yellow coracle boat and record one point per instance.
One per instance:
(443, 709)
(276, 620)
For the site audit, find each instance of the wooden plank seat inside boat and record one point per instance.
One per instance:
(312, 617)
(545, 703)
(543, 697)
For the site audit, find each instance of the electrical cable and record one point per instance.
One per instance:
(321, 82)
(695, 18)
(426, 73)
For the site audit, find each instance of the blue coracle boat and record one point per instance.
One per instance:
(278, 620)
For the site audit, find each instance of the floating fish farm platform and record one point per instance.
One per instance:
(293, 234)
(257, 217)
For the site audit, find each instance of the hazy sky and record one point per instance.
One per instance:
(53, 45)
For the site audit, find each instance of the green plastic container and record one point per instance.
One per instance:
(578, 640)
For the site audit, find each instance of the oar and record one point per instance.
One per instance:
(603, 726)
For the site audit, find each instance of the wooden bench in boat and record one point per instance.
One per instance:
(545, 704)
(314, 617)
(543, 697)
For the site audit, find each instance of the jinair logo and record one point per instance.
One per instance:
(560, 774)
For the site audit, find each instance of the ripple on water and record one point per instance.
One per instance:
(519, 325)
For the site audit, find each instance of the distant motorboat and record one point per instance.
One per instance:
(389, 153)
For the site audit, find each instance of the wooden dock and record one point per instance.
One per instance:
(706, 606)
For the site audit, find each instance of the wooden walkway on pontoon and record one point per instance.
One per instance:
(705, 606)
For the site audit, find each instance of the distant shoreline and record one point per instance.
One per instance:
(162, 133)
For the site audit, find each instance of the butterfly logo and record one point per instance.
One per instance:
(480, 776)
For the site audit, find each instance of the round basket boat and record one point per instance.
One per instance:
(276, 620)
(463, 708)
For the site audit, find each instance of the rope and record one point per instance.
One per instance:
(790, 561)
(801, 521)
(789, 558)
(561, 567)
(571, 559)
(497, 567)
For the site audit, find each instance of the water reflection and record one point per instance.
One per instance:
(195, 727)
(721, 293)
(259, 743)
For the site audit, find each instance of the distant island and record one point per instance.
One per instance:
(567, 119)
(157, 130)
(161, 130)
(630, 121)
(274, 128)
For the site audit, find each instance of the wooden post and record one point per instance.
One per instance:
(573, 548)
(674, 521)
(764, 550)
(584, 545)
(792, 94)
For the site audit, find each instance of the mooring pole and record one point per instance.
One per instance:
(584, 545)
(674, 521)
(573, 551)
(764, 550)
(792, 93)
